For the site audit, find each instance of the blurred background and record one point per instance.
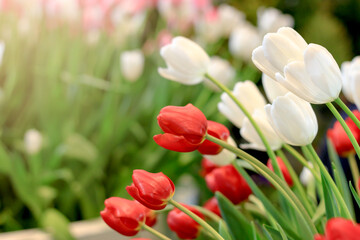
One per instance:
(80, 91)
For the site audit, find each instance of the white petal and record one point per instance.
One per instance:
(262, 63)
(273, 89)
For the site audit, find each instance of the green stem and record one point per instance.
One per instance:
(278, 183)
(269, 151)
(302, 160)
(345, 127)
(354, 170)
(199, 220)
(348, 111)
(326, 174)
(156, 233)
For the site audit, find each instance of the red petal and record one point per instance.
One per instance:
(174, 143)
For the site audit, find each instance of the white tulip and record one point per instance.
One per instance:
(243, 40)
(306, 175)
(187, 62)
(249, 133)
(293, 119)
(229, 17)
(33, 141)
(248, 95)
(221, 70)
(225, 157)
(307, 70)
(350, 73)
(272, 88)
(271, 19)
(356, 90)
(132, 64)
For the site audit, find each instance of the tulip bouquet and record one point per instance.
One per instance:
(295, 75)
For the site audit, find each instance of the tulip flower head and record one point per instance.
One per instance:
(184, 226)
(340, 229)
(207, 166)
(350, 76)
(272, 88)
(216, 130)
(271, 19)
(150, 216)
(124, 216)
(293, 120)
(283, 169)
(186, 61)
(307, 70)
(185, 128)
(153, 190)
(229, 182)
(213, 206)
(132, 64)
(248, 94)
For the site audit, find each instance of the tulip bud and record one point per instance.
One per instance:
(229, 17)
(153, 190)
(283, 170)
(243, 40)
(271, 19)
(272, 88)
(221, 70)
(340, 139)
(207, 166)
(307, 70)
(293, 119)
(248, 94)
(150, 216)
(212, 205)
(132, 64)
(249, 133)
(306, 175)
(229, 182)
(216, 130)
(350, 72)
(185, 128)
(184, 226)
(124, 216)
(187, 62)
(224, 157)
(340, 229)
(33, 141)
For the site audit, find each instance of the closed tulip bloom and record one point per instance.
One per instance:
(213, 206)
(207, 166)
(293, 120)
(229, 182)
(216, 130)
(186, 61)
(150, 216)
(271, 19)
(243, 40)
(340, 229)
(33, 141)
(350, 73)
(307, 70)
(224, 157)
(306, 176)
(249, 133)
(229, 18)
(132, 64)
(283, 169)
(185, 128)
(248, 94)
(183, 225)
(340, 139)
(221, 70)
(272, 88)
(153, 190)
(124, 216)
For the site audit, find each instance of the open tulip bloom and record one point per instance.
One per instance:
(318, 206)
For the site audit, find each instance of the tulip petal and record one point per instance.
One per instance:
(261, 62)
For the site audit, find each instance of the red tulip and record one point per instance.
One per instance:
(124, 216)
(212, 205)
(283, 169)
(229, 182)
(340, 229)
(184, 226)
(207, 166)
(184, 127)
(150, 216)
(216, 130)
(153, 190)
(340, 140)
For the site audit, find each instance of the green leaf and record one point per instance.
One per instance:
(56, 224)
(239, 226)
(274, 234)
(329, 198)
(224, 231)
(354, 193)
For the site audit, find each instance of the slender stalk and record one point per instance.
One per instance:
(345, 127)
(199, 220)
(348, 111)
(302, 160)
(156, 233)
(269, 151)
(274, 179)
(326, 174)
(354, 170)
